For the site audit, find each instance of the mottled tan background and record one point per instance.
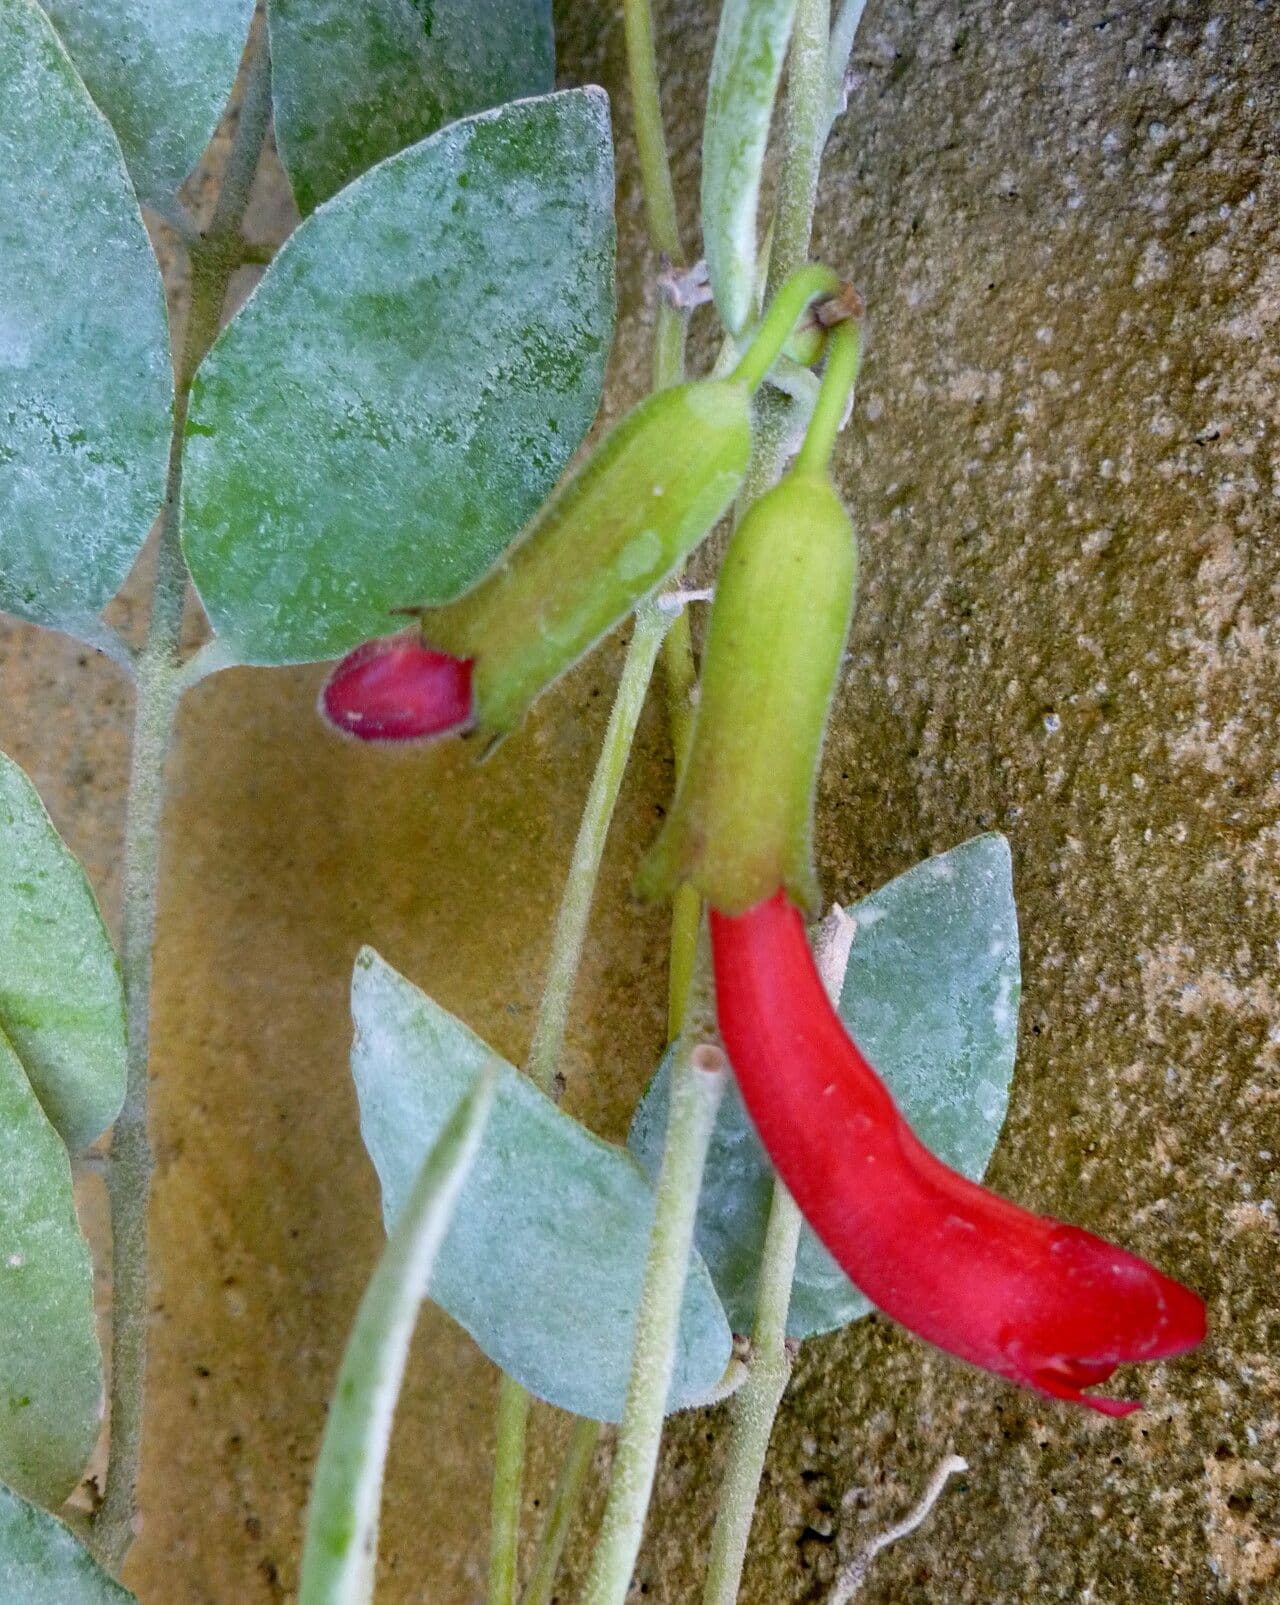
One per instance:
(1066, 218)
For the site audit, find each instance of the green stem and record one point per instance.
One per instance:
(804, 133)
(564, 1505)
(844, 353)
(784, 311)
(547, 1047)
(699, 1072)
(755, 1405)
(130, 1162)
(508, 1484)
(651, 140)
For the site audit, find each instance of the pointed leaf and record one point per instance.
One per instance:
(545, 1260)
(50, 1365)
(61, 1000)
(85, 382)
(44, 1563)
(406, 384)
(162, 73)
(354, 81)
(931, 996)
(342, 1527)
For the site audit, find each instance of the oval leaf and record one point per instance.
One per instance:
(406, 384)
(341, 1550)
(545, 1260)
(61, 1000)
(50, 1364)
(931, 996)
(41, 1561)
(85, 382)
(161, 73)
(750, 48)
(354, 81)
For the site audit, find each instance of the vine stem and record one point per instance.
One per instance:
(755, 1405)
(546, 1048)
(699, 1073)
(130, 1162)
(564, 1505)
(547, 1045)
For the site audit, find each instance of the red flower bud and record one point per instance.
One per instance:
(1042, 1303)
(396, 689)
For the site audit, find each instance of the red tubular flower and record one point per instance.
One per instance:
(397, 689)
(1042, 1303)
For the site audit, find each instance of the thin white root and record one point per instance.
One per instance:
(852, 1576)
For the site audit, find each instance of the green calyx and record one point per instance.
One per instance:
(742, 822)
(607, 540)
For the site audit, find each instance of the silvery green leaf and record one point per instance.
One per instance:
(51, 1390)
(161, 70)
(44, 1563)
(341, 1549)
(61, 999)
(544, 1262)
(406, 384)
(931, 996)
(354, 81)
(750, 49)
(85, 380)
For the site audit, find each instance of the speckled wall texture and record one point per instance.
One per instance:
(1065, 216)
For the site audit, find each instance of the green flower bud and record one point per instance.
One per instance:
(604, 542)
(613, 532)
(741, 826)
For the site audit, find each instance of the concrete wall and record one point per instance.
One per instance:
(1065, 218)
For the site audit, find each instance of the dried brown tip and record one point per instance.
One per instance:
(839, 308)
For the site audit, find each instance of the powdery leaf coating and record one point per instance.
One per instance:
(750, 48)
(61, 998)
(85, 380)
(354, 81)
(931, 997)
(544, 1262)
(51, 1391)
(161, 70)
(41, 1561)
(406, 384)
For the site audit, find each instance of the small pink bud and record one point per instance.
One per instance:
(397, 689)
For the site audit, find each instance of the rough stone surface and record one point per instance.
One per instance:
(1066, 219)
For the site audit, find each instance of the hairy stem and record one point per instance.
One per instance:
(651, 139)
(755, 1405)
(698, 1076)
(564, 1505)
(804, 133)
(547, 1046)
(130, 1162)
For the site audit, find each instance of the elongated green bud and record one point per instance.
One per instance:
(605, 541)
(750, 47)
(741, 826)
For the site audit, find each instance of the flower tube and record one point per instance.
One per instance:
(1032, 1299)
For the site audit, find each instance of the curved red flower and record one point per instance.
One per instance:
(1042, 1303)
(397, 689)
